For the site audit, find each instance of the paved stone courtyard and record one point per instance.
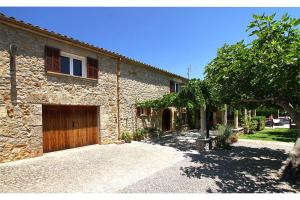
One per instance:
(170, 164)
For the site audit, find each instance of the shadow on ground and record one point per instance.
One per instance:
(176, 140)
(242, 169)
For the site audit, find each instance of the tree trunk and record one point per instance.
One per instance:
(215, 119)
(290, 171)
(203, 119)
(290, 109)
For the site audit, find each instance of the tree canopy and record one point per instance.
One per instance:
(265, 70)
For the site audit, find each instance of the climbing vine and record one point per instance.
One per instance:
(193, 95)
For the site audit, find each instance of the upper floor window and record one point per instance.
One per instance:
(72, 64)
(174, 87)
(66, 63)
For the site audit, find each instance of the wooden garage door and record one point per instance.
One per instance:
(67, 127)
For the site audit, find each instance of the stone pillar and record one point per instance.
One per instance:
(225, 115)
(236, 119)
(214, 118)
(245, 114)
(173, 118)
(254, 113)
(249, 114)
(203, 119)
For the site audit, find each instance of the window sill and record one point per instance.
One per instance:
(144, 115)
(70, 76)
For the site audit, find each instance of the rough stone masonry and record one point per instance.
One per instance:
(25, 86)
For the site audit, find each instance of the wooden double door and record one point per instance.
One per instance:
(67, 127)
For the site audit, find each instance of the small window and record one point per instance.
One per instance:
(143, 111)
(64, 65)
(77, 67)
(72, 64)
(177, 87)
(174, 87)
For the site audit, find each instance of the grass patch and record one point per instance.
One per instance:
(276, 134)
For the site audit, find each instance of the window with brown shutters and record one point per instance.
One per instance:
(142, 112)
(52, 59)
(92, 68)
(148, 111)
(172, 86)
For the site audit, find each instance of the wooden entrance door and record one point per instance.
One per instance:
(166, 120)
(67, 127)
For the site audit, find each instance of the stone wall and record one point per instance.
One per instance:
(138, 84)
(25, 90)
(25, 87)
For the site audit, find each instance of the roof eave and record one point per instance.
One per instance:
(63, 38)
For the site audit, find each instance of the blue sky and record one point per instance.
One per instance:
(168, 38)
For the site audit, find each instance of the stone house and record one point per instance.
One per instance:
(57, 92)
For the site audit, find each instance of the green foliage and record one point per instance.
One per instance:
(249, 125)
(246, 125)
(127, 137)
(191, 118)
(138, 135)
(265, 68)
(261, 122)
(268, 110)
(277, 134)
(168, 100)
(253, 126)
(193, 95)
(178, 123)
(223, 137)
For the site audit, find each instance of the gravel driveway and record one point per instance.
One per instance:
(96, 168)
(170, 164)
(249, 167)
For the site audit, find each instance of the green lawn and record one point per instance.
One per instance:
(276, 134)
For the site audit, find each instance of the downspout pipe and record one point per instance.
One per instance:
(118, 97)
(13, 79)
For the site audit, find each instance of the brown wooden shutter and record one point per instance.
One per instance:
(56, 60)
(52, 59)
(48, 58)
(138, 111)
(172, 86)
(92, 68)
(148, 111)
